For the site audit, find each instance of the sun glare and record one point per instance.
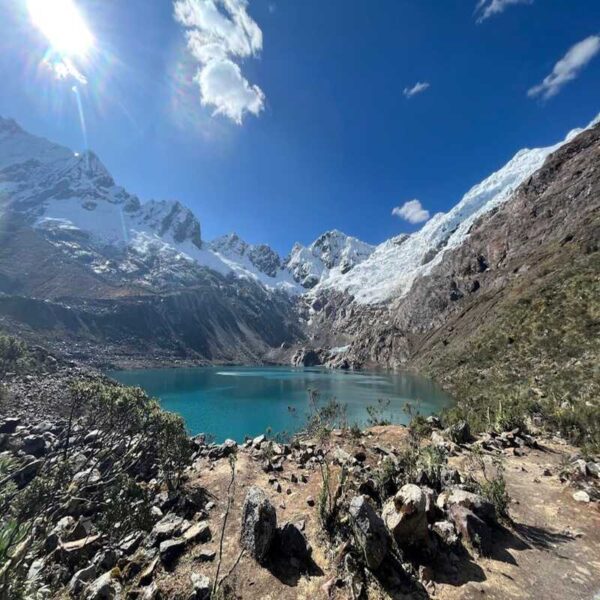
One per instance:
(63, 26)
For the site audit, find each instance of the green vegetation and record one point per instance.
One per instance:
(378, 413)
(14, 356)
(537, 360)
(324, 418)
(124, 439)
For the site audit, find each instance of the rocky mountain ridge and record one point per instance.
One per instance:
(104, 252)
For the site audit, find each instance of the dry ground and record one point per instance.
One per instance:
(552, 550)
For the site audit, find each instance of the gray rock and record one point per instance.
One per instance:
(593, 469)
(104, 588)
(205, 555)
(342, 457)
(9, 425)
(581, 496)
(405, 516)
(459, 433)
(471, 528)
(446, 531)
(106, 559)
(198, 533)
(483, 508)
(131, 542)
(81, 578)
(170, 550)
(34, 445)
(369, 532)
(202, 587)
(169, 526)
(259, 524)
(257, 441)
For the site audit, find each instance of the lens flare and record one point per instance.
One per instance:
(63, 26)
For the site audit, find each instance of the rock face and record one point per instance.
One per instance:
(405, 516)
(369, 532)
(259, 524)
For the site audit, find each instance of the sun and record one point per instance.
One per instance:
(63, 26)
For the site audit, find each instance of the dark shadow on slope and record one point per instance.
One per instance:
(541, 538)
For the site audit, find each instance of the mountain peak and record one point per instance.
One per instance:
(9, 126)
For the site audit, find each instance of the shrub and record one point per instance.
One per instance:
(322, 419)
(377, 413)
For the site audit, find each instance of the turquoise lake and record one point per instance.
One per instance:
(232, 402)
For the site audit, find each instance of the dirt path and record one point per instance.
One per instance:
(552, 551)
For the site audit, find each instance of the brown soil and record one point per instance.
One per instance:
(550, 551)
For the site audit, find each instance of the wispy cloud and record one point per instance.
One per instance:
(488, 8)
(418, 88)
(411, 211)
(567, 68)
(219, 34)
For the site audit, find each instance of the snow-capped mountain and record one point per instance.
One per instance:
(333, 255)
(393, 266)
(73, 200)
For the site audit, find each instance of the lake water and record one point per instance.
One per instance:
(231, 402)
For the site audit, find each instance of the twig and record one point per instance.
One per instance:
(230, 487)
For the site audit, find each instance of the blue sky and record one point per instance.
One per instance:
(335, 142)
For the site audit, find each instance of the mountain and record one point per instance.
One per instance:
(393, 266)
(88, 265)
(88, 259)
(332, 255)
(513, 306)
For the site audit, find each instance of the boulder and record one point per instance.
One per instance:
(369, 531)
(472, 529)
(198, 533)
(80, 579)
(34, 445)
(202, 587)
(593, 469)
(9, 424)
(257, 441)
(168, 527)
(259, 524)
(106, 587)
(131, 542)
(483, 508)
(446, 532)
(581, 496)
(170, 550)
(459, 433)
(405, 516)
(294, 546)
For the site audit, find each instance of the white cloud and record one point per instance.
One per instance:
(418, 88)
(219, 33)
(567, 68)
(488, 8)
(411, 211)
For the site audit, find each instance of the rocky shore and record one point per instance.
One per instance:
(104, 498)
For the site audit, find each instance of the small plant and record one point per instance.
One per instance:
(491, 487)
(377, 413)
(322, 419)
(330, 495)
